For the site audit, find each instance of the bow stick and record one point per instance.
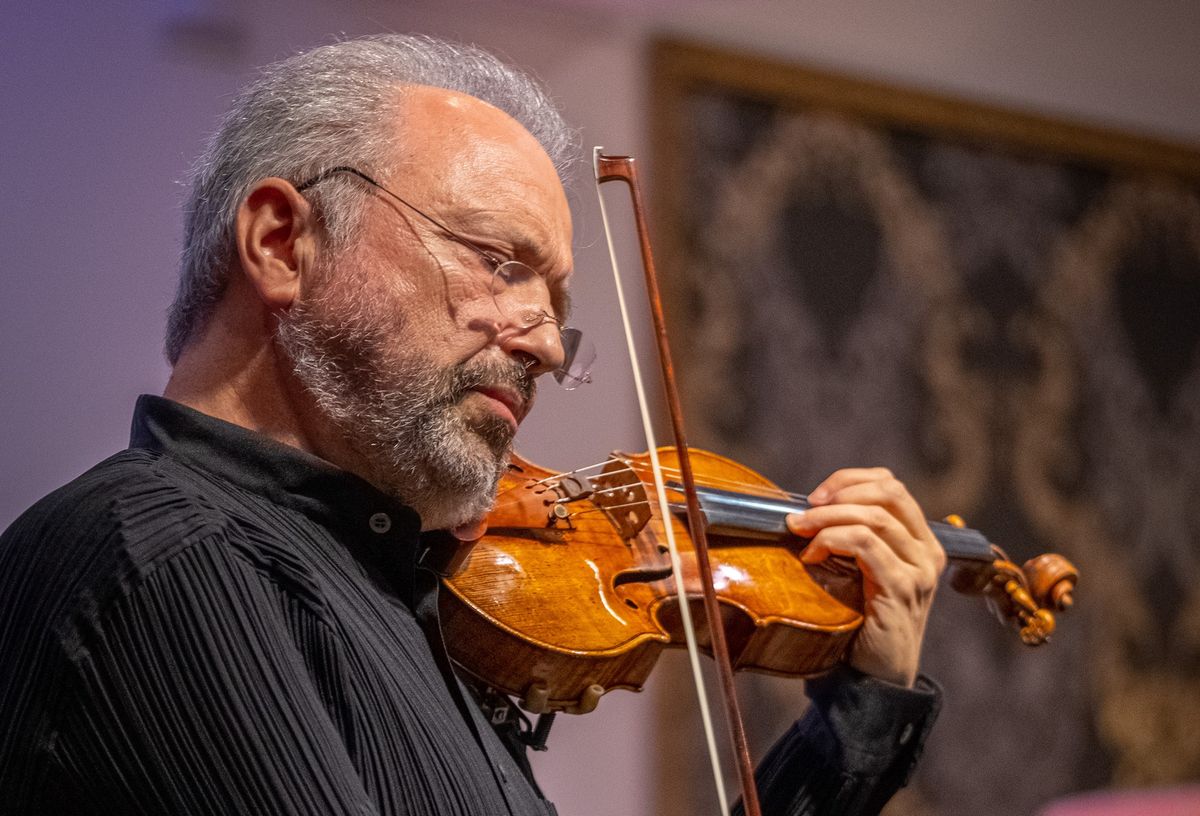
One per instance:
(622, 168)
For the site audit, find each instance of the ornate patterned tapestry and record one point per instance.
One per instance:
(1006, 312)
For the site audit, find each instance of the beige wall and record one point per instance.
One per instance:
(102, 112)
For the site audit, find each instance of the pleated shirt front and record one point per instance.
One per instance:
(212, 622)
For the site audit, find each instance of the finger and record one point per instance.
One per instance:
(844, 478)
(878, 563)
(884, 573)
(883, 524)
(896, 595)
(891, 494)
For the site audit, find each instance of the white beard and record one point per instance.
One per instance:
(404, 417)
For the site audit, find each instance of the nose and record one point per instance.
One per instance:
(538, 347)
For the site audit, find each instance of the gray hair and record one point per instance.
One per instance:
(319, 109)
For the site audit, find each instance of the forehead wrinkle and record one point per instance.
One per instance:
(500, 232)
(500, 210)
(492, 227)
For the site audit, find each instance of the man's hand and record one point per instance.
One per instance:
(868, 515)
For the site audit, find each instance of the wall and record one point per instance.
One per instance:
(102, 108)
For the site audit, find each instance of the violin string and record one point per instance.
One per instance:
(553, 480)
(598, 509)
(746, 488)
(702, 481)
(569, 473)
(556, 479)
(500, 505)
(732, 485)
(741, 486)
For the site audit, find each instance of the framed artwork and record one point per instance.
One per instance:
(1002, 308)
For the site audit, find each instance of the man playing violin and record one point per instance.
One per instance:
(234, 615)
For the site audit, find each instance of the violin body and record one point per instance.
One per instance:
(571, 592)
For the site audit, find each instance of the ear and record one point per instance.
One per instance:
(276, 241)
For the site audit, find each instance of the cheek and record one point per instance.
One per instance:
(463, 282)
(460, 292)
(367, 288)
(436, 311)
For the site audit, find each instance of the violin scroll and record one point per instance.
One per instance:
(1052, 580)
(1027, 596)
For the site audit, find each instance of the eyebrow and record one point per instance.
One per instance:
(564, 306)
(488, 229)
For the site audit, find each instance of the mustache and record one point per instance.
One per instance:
(494, 372)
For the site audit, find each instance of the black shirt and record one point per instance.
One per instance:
(213, 622)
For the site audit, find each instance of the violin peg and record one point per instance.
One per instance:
(1037, 628)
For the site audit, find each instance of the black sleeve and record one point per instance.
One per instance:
(187, 696)
(854, 748)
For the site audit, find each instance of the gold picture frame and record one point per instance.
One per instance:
(1031, 285)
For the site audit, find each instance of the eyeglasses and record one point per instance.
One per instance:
(513, 286)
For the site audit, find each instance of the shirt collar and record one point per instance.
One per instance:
(347, 505)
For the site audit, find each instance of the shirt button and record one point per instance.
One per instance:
(906, 734)
(381, 522)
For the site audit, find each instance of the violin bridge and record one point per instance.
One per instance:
(622, 496)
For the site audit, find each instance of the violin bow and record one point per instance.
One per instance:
(622, 168)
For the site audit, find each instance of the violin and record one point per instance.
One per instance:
(571, 592)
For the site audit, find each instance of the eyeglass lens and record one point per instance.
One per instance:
(514, 287)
